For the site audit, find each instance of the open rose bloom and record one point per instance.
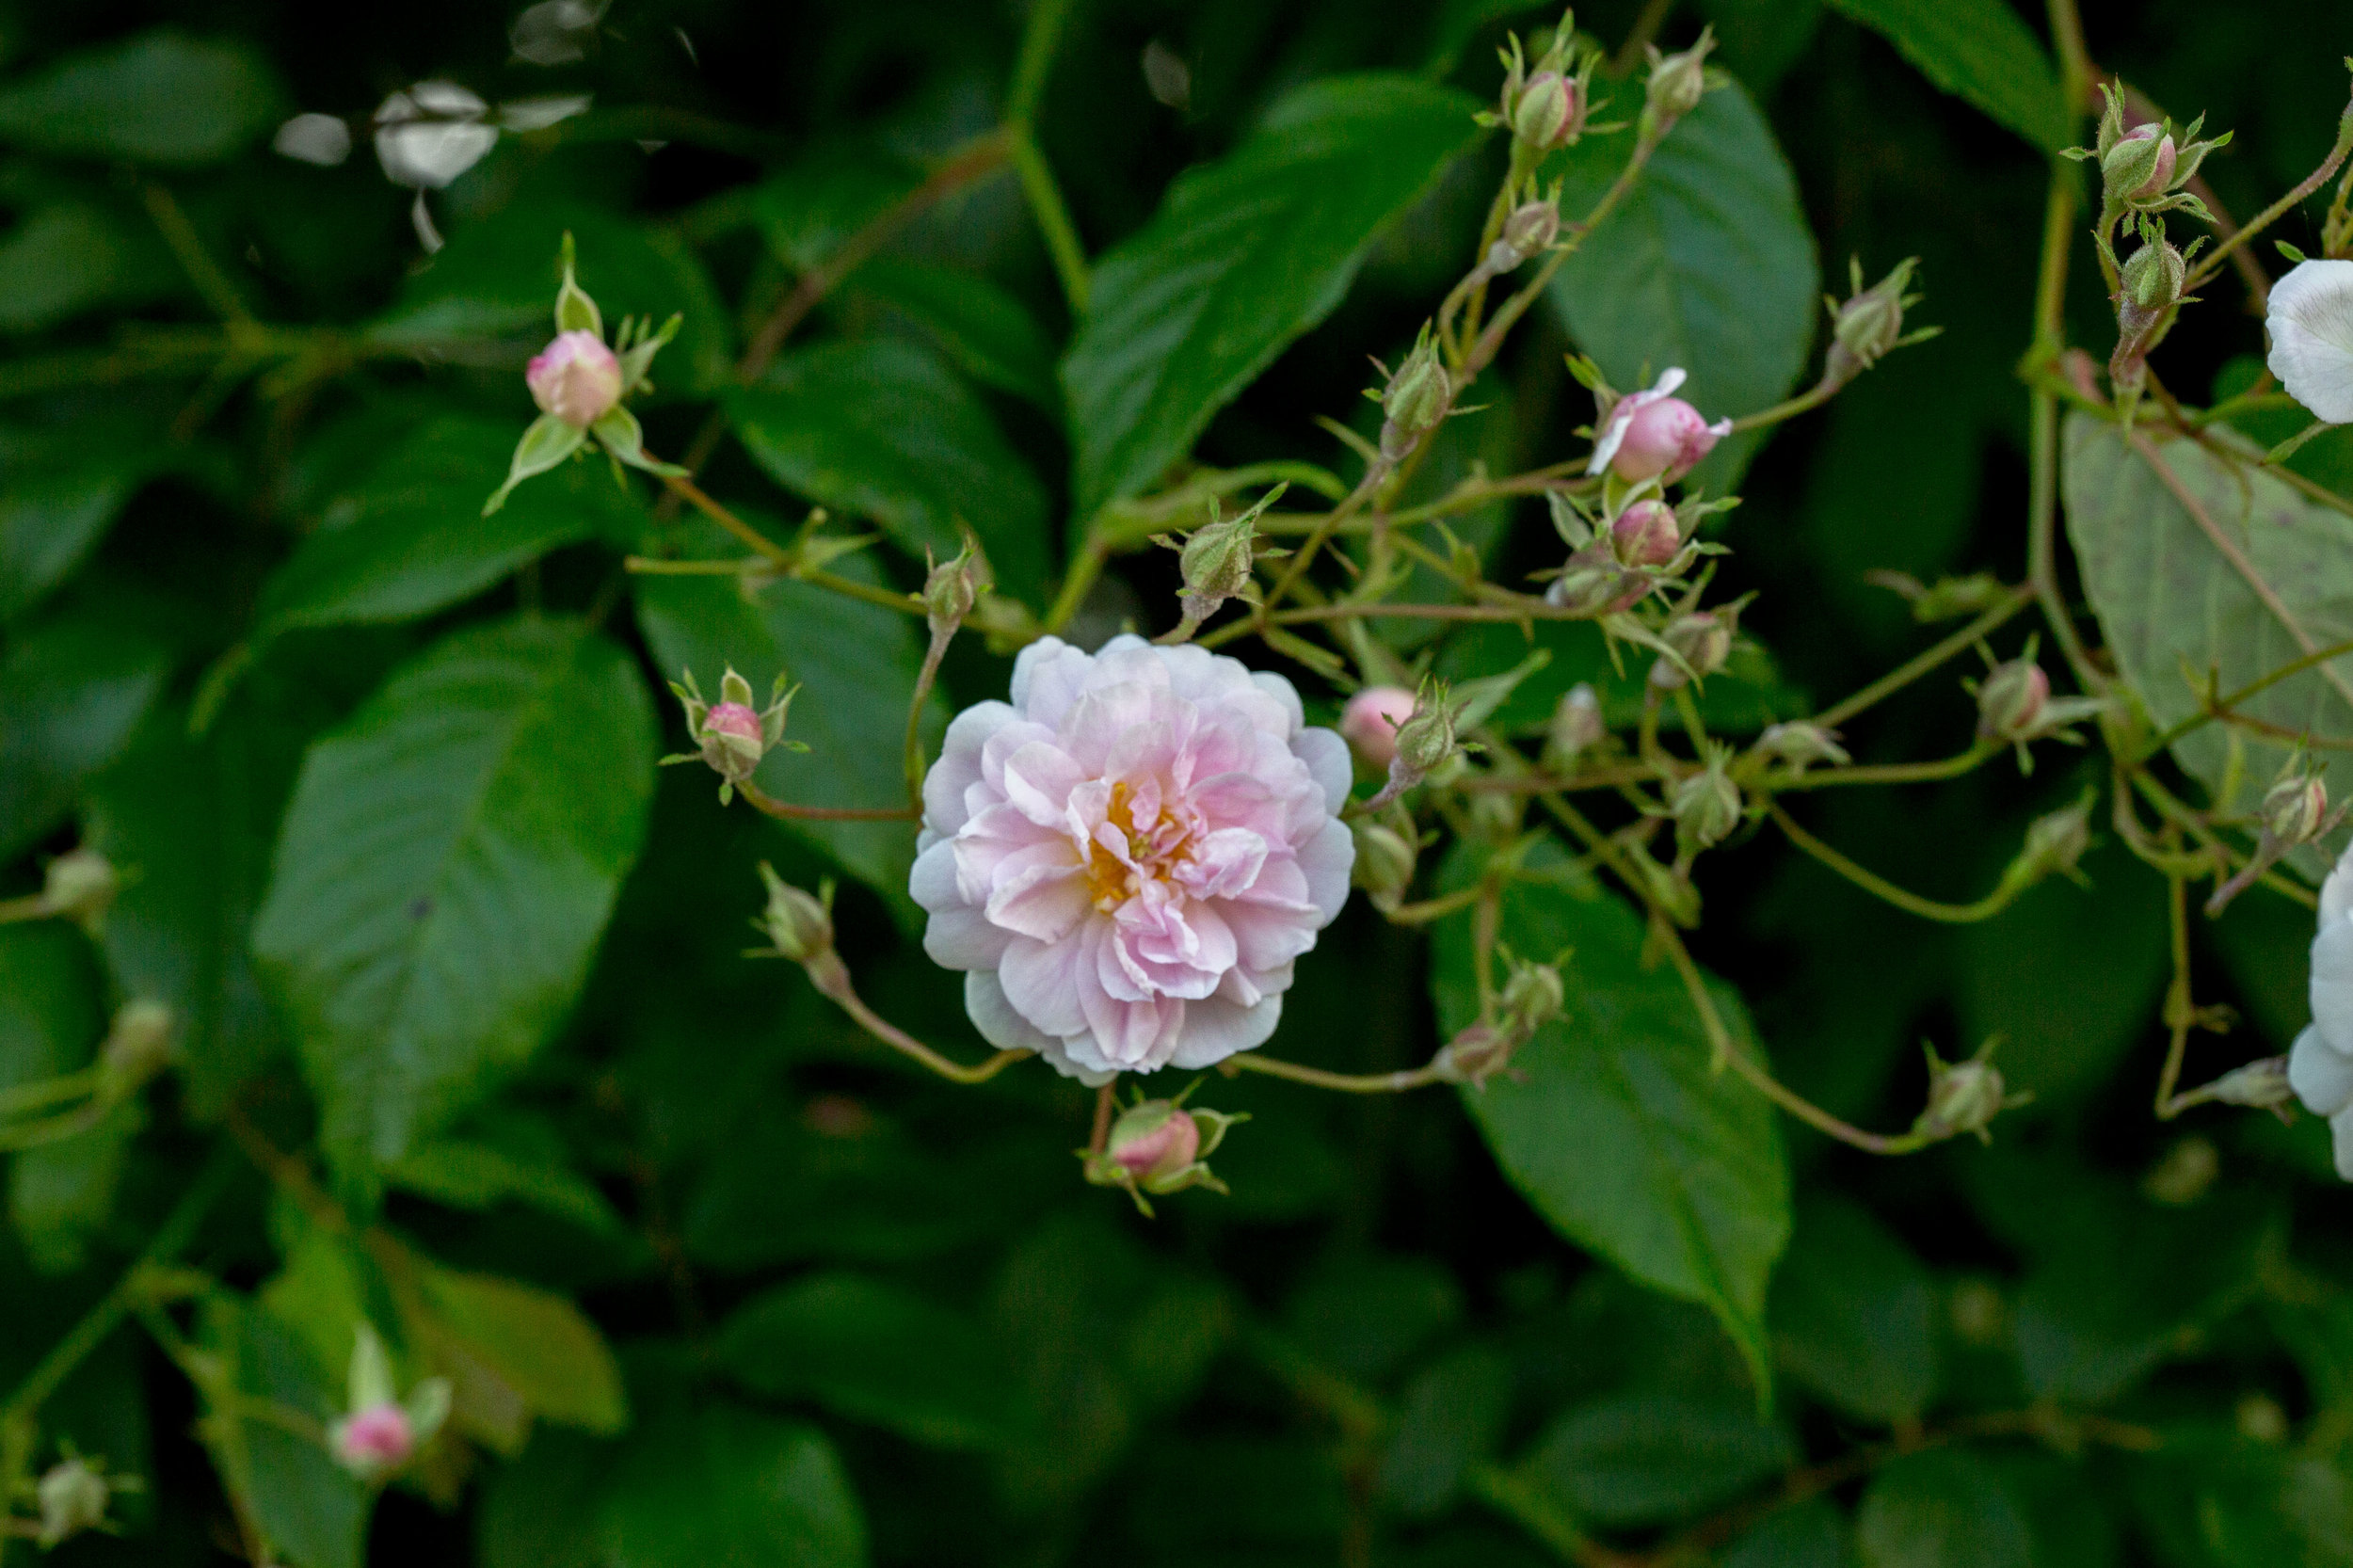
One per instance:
(2320, 1068)
(1128, 857)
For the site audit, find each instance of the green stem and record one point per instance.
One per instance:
(1346, 1084)
(1054, 218)
(1872, 883)
(832, 979)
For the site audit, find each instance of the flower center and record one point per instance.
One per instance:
(1154, 851)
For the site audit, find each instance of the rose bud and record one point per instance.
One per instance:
(1654, 435)
(576, 378)
(1154, 1142)
(71, 1497)
(374, 1441)
(1369, 723)
(1647, 534)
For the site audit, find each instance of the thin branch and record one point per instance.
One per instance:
(786, 811)
(1879, 887)
(832, 979)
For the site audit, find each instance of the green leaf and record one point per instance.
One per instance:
(808, 208)
(1943, 1510)
(50, 1021)
(1449, 1420)
(1365, 1315)
(2174, 608)
(68, 257)
(478, 1174)
(447, 863)
(498, 278)
(991, 336)
(1981, 51)
(162, 97)
(849, 658)
(1758, 40)
(873, 1352)
(189, 823)
(62, 1194)
(714, 1484)
(1854, 1314)
(73, 688)
(306, 1507)
(2211, 1500)
(2068, 976)
(67, 484)
(1706, 264)
(549, 1358)
(1245, 255)
(1613, 1124)
(881, 429)
(1644, 1458)
(1811, 1535)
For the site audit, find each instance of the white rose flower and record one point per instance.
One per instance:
(2311, 322)
(2320, 1068)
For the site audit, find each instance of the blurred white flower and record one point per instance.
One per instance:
(2310, 321)
(555, 32)
(430, 135)
(313, 139)
(2320, 1068)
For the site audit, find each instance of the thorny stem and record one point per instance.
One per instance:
(831, 977)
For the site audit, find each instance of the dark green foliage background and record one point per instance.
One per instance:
(856, 1315)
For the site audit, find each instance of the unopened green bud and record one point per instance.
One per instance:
(1676, 85)
(1798, 745)
(1527, 233)
(1702, 639)
(136, 1047)
(2139, 164)
(1963, 1096)
(71, 1497)
(80, 885)
(2054, 843)
(2011, 701)
(2262, 1084)
(798, 923)
(1216, 563)
(1705, 805)
(1549, 111)
(1532, 996)
(1870, 323)
(1415, 399)
(2155, 277)
(731, 735)
(1384, 863)
(2294, 809)
(953, 587)
(1425, 741)
(1575, 728)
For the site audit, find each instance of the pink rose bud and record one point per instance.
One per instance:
(373, 1441)
(1664, 439)
(576, 378)
(1370, 721)
(1654, 434)
(1149, 1144)
(1647, 534)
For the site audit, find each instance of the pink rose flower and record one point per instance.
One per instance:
(1370, 720)
(1128, 857)
(575, 378)
(1655, 433)
(373, 1441)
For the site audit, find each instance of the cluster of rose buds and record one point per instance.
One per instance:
(1159, 1147)
(379, 1431)
(731, 735)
